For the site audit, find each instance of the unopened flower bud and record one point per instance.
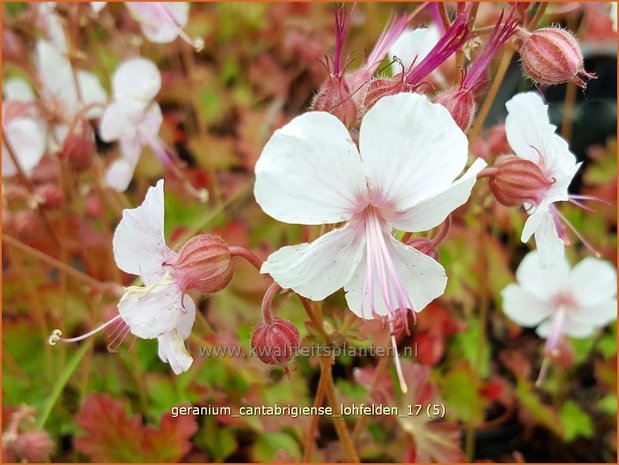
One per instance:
(204, 263)
(425, 246)
(79, 146)
(12, 48)
(34, 446)
(552, 56)
(382, 87)
(517, 181)
(461, 104)
(49, 195)
(275, 343)
(334, 97)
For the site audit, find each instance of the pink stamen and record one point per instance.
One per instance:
(398, 366)
(392, 31)
(166, 16)
(550, 349)
(454, 38)
(341, 27)
(557, 214)
(499, 35)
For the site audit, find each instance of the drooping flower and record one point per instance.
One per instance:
(160, 309)
(133, 119)
(310, 172)
(25, 130)
(562, 301)
(163, 22)
(533, 138)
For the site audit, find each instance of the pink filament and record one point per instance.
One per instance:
(90, 333)
(550, 349)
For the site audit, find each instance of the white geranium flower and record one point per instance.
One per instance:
(310, 172)
(133, 119)
(533, 138)
(562, 301)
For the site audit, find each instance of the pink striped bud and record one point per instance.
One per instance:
(275, 342)
(204, 263)
(517, 181)
(552, 56)
(50, 195)
(381, 87)
(335, 97)
(461, 104)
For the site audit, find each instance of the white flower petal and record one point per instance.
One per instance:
(120, 119)
(523, 307)
(432, 211)
(152, 310)
(161, 22)
(550, 247)
(91, 92)
(28, 138)
(411, 149)
(597, 315)
(318, 269)
(569, 328)
(139, 243)
(150, 123)
(542, 282)
(120, 173)
(413, 45)
(57, 76)
(137, 79)
(97, 6)
(17, 90)
(593, 281)
(310, 172)
(422, 277)
(172, 350)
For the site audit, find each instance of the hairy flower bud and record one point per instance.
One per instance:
(79, 146)
(552, 56)
(34, 446)
(382, 87)
(517, 181)
(334, 97)
(275, 343)
(204, 263)
(461, 104)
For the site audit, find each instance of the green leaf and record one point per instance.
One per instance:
(460, 391)
(466, 345)
(268, 445)
(608, 405)
(543, 414)
(576, 422)
(218, 442)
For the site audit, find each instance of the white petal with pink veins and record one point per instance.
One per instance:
(139, 243)
(310, 172)
(432, 211)
(318, 269)
(136, 78)
(153, 310)
(422, 278)
(411, 149)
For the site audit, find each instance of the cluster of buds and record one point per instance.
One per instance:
(514, 181)
(551, 56)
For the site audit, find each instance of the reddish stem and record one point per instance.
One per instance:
(267, 301)
(238, 251)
